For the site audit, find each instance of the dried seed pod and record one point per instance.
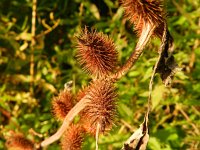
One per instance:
(62, 104)
(82, 92)
(72, 138)
(96, 53)
(141, 12)
(102, 108)
(19, 142)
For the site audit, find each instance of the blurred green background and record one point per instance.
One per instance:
(175, 119)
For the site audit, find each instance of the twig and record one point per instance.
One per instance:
(68, 119)
(33, 28)
(5, 113)
(196, 130)
(33, 132)
(195, 110)
(49, 29)
(163, 120)
(126, 124)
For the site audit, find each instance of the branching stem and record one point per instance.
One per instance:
(49, 30)
(143, 39)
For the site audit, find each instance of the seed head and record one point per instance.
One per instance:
(140, 12)
(82, 92)
(102, 108)
(72, 138)
(96, 53)
(62, 104)
(19, 142)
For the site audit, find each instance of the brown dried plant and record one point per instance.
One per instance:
(96, 53)
(62, 104)
(96, 104)
(72, 138)
(148, 18)
(19, 142)
(102, 107)
(143, 12)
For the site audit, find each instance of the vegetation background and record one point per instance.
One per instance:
(175, 119)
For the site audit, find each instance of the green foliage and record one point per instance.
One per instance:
(174, 122)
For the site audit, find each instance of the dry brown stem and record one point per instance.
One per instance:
(143, 39)
(140, 137)
(97, 135)
(67, 121)
(162, 47)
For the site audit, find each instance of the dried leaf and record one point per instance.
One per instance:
(171, 68)
(139, 138)
(167, 66)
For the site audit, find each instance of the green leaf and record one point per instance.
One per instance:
(157, 95)
(45, 128)
(147, 75)
(154, 144)
(125, 110)
(94, 10)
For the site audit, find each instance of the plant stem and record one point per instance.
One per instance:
(147, 31)
(33, 28)
(97, 135)
(68, 119)
(196, 130)
(162, 47)
(49, 30)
